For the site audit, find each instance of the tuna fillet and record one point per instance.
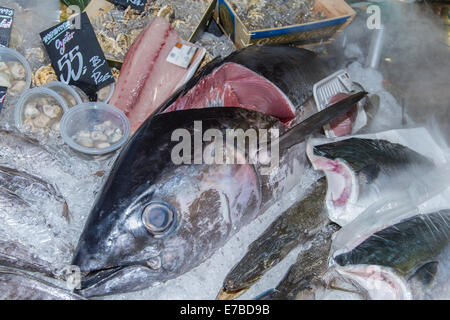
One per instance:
(147, 79)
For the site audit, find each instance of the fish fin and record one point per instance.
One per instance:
(369, 173)
(426, 273)
(299, 132)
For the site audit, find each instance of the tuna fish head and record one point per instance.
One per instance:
(154, 219)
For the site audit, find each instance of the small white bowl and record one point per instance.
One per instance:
(84, 117)
(30, 95)
(63, 89)
(7, 55)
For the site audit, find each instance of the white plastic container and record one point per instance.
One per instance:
(68, 93)
(106, 97)
(103, 95)
(39, 110)
(15, 84)
(83, 96)
(83, 124)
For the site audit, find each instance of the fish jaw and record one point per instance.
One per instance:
(376, 282)
(224, 294)
(118, 280)
(342, 186)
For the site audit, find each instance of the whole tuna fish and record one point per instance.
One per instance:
(155, 220)
(18, 285)
(359, 171)
(295, 226)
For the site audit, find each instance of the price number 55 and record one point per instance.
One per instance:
(66, 65)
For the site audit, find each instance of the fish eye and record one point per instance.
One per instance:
(159, 218)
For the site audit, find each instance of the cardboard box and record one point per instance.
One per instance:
(339, 15)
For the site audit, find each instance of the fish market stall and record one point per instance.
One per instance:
(226, 149)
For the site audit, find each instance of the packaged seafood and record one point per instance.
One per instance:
(15, 72)
(95, 128)
(39, 111)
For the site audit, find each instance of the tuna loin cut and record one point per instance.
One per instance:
(147, 79)
(233, 85)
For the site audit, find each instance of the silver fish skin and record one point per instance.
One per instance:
(18, 285)
(155, 220)
(31, 189)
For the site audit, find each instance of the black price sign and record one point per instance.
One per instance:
(2, 96)
(134, 4)
(76, 54)
(6, 19)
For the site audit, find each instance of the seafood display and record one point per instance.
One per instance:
(41, 112)
(102, 136)
(263, 14)
(147, 79)
(190, 204)
(268, 172)
(297, 225)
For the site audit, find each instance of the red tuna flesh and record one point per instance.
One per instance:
(147, 79)
(234, 85)
(343, 125)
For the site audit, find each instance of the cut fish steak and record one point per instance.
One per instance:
(147, 79)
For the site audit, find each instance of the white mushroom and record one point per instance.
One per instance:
(102, 94)
(31, 111)
(18, 87)
(56, 126)
(99, 136)
(3, 66)
(102, 145)
(85, 142)
(28, 124)
(41, 121)
(4, 80)
(84, 134)
(99, 127)
(18, 71)
(116, 137)
(52, 110)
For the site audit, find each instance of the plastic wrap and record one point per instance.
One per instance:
(400, 244)
(360, 173)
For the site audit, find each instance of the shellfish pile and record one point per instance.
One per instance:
(264, 14)
(42, 115)
(13, 75)
(117, 29)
